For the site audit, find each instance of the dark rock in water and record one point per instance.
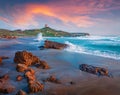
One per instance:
(26, 58)
(94, 70)
(54, 45)
(19, 78)
(5, 86)
(4, 57)
(41, 47)
(21, 92)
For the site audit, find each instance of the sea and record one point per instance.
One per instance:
(104, 46)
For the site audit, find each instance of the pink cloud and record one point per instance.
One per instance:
(75, 12)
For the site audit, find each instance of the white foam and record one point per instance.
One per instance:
(79, 49)
(39, 37)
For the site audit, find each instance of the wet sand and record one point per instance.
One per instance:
(64, 65)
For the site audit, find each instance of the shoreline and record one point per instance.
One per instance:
(67, 71)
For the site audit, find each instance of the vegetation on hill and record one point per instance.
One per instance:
(46, 31)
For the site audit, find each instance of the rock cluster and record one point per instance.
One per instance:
(5, 86)
(33, 85)
(94, 70)
(54, 45)
(25, 59)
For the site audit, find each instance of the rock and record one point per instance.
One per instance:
(94, 70)
(52, 79)
(21, 92)
(0, 60)
(35, 86)
(21, 67)
(4, 57)
(5, 86)
(19, 78)
(41, 47)
(54, 45)
(30, 74)
(42, 64)
(26, 58)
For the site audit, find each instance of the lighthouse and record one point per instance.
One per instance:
(46, 25)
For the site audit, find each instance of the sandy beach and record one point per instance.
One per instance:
(65, 66)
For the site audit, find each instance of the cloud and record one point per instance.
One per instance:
(75, 12)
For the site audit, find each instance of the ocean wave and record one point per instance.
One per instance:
(79, 49)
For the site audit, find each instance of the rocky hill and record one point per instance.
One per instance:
(46, 31)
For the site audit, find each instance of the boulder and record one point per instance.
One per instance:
(19, 78)
(35, 86)
(94, 70)
(26, 58)
(5, 86)
(54, 45)
(21, 67)
(21, 92)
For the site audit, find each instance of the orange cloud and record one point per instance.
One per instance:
(76, 12)
(28, 15)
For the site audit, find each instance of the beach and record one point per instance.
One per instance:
(64, 65)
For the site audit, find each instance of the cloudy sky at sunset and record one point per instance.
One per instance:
(93, 16)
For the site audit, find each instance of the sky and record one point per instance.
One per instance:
(97, 17)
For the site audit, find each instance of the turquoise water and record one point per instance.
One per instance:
(93, 45)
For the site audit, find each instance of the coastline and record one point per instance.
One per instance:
(64, 65)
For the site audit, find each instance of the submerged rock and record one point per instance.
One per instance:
(94, 70)
(21, 92)
(52, 79)
(42, 65)
(54, 45)
(5, 86)
(19, 78)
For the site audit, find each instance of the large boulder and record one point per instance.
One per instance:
(94, 70)
(5, 85)
(26, 58)
(54, 45)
